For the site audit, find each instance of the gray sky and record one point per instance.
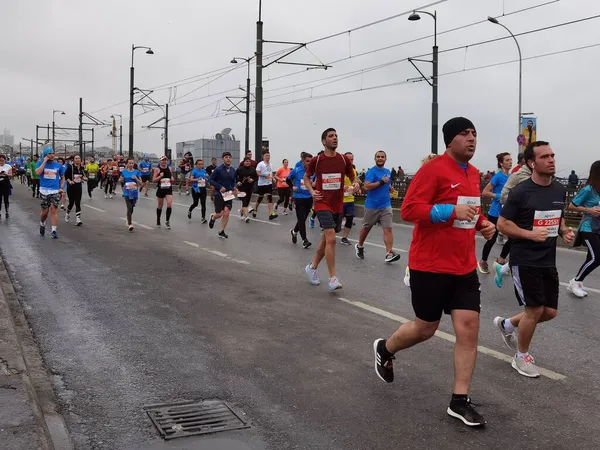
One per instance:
(61, 50)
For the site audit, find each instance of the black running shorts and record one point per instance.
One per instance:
(329, 220)
(162, 193)
(434, 293)
(536, 286)
(221, 204)
(265, 190)
(145, 178)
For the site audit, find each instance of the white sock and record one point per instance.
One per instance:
(504, 270)
(53, 228)
(42, 224)
(509, 327)
(522, 355)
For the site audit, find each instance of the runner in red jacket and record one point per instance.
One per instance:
(444, 203)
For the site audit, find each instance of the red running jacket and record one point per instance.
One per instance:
(443, 247)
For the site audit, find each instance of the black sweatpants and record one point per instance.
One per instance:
(592, 242)
(284, 196)
(74, 192)
(130, 206)
(4, 197)
(35, 186)
(199, 197)
(303, 206)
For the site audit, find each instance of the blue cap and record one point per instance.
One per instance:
(46, 151)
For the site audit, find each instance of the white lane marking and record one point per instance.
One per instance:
(448, 337)
(94, 208)
(585, 288)
(380, 246)
(215, 252)
(137, 224)
(270, 222)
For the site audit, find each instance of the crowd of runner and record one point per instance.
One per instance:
(443, 202)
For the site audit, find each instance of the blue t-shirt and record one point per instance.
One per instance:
(130, 185)
(50, 177)
(378, 198)
(498, 181)
(145, 167)
(297, 176)
(198, 173)
(587, 197)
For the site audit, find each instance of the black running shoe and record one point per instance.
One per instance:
(392, 257)
(254, 214)
(294, 236)
(222, 234)
(384, 367)
(211, 222)
(360, 252)
(42, 230)
(463, 410)
(204, 220)
(306, 243)
(345, 241)
(273, 216)
(189, 214)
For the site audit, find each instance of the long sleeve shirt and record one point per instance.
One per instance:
(223, 177)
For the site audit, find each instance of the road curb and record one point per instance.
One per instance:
(51, 425)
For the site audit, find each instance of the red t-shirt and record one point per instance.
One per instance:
(330, 171)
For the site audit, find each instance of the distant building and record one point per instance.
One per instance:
(6, 138)
(207, 149)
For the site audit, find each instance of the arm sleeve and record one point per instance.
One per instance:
(68, 173)
(213, 180)
(417, 203)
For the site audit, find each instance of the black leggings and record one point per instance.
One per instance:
(592, 241)
(74, 193)
(303, 206)
(247, 189)
(130, 207)
(201, 197)
(111, 183)
(284, 196)
(487, 248)
(35, 186)
(4, 196)
(91, 185)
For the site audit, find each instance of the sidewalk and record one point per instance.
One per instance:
(22, 421)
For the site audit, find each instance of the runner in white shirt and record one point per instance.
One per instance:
(265, 185)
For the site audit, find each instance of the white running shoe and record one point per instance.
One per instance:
(407, 277)
(313, 275)
(576, 288)
(334, 284)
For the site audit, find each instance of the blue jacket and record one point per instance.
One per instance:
(220, 178)
(297, 177)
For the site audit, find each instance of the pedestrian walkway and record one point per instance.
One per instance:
(22, 425)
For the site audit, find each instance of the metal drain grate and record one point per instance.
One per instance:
(175, 420)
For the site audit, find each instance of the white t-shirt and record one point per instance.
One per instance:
(5, 168)
(265, 170)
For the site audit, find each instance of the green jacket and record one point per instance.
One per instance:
(31, 170)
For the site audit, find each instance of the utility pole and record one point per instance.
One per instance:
(92, 142)
(131, 75)
(121, 139)
(167, 130)
(36, 136)
(258, 114)
(31, 144)
(81, 127)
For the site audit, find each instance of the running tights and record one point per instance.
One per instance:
(199, 197)
(91, 185)
(284, 196)
(303, 206)
(159, 213)
(109, 186)
(35, 182)
(4, 196)
(130, 206)
(74, 193)
(592, 241)
(487, 248)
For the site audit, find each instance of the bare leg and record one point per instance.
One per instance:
(466, 327)
(410, 334)
(362, 237)
(388, 239)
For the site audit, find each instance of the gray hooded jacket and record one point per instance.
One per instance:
(524, 173)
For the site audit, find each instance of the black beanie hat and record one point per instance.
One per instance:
(454, 127)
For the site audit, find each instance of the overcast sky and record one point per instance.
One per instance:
(55, 51)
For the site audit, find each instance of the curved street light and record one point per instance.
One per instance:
(149, 51)
(496, 22)
(247, 112)
(54, 111)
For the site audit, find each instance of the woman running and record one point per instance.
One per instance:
(198, 179)
(587, 201)
(283, 190)
(246, 175)
(74, 174)
(163, 177)
(493, 191)
(6, 173)
(131, 179)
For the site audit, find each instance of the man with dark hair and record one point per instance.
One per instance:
(533, 217)
(573, 180)
(329, 169)
(224, 181)
(264, 172)
(444, 202)
(248, 156)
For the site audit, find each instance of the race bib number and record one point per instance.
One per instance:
(50, 173)
(77, 178)
(201, 182)
(331, 181)
(302, 185)
(131, 185)
(92, 176)
(471, 201)
(145, 169)
(550, 220)
(348, 191)
(228, 196)
(165, 183)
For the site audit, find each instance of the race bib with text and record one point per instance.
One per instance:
(50, 173)
(331, 181)
(165, 183)
(472, 201)
(549, 220)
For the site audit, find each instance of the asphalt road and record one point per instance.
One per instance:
(130, 319)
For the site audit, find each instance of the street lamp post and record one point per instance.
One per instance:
(434, 80)
(247, 131)
(54, 111)
(520, 116)
(131, 92)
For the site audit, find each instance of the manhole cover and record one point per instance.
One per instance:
(175, 420)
